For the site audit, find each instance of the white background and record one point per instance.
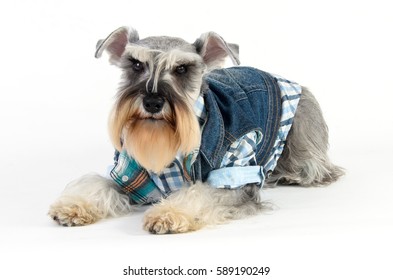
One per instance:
(55, 98)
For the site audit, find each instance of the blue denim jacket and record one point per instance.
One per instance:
(238, 100)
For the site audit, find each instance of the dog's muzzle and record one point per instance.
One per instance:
(153, 103)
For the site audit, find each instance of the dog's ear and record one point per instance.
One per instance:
(116, 42)
(214, 50)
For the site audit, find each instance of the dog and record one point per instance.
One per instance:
(196, 140)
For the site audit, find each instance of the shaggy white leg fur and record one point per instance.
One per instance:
(199, 205)
(88, 199)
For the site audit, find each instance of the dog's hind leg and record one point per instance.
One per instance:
(88, 199)
(200, 205)
(304, 160)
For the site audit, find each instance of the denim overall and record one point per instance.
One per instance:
(238, 100)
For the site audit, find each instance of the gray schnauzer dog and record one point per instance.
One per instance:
(196, 140)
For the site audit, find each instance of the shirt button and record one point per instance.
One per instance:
(124, 178)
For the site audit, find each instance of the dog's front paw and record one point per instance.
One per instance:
(74, 212)
(162, 220)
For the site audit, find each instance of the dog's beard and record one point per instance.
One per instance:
(154, 143)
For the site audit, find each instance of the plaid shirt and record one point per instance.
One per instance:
(145, 187)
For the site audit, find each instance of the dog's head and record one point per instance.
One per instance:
(153, 117)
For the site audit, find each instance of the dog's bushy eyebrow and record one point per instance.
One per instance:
(140, 53)
(177, 57)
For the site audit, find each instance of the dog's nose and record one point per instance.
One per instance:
(153, 103)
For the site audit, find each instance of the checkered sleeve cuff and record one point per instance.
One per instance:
(134, 180)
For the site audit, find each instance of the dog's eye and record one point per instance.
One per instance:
(181, 69)
(136, 65)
